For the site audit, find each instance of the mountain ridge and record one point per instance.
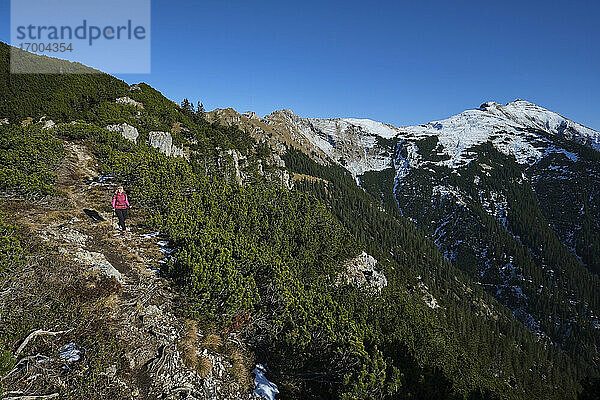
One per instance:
(463, 128)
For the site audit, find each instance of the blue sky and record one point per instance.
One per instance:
(397, 62)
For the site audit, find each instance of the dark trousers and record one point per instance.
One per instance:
(122, 215)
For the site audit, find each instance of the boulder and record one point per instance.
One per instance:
(48, 124)
(98, 262)
(127, 131)
(3, 121)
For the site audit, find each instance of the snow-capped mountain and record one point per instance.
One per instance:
(519, 129)
(515, 174)
(530, 115)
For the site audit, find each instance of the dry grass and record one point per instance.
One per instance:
(241, 367)
(176, 127)
(188, 346)
(204, 366)
(36, 218)
(134, 256)
(303, 177)
(212, 341)
(111, 302)
(93, 286)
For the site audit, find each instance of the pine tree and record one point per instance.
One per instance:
(200, 112)
(186, 105)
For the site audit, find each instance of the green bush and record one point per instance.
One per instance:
(78, 130)
(28, 158)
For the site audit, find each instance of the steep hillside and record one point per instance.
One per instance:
(507, 201)
(328, 285)
(509, 194)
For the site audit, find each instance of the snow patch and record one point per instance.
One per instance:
(459, 133)
(150, 235)
(69, 353)
(264, 388)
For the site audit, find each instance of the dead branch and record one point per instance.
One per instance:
(43, 397)
(39, 332)
(21, 361)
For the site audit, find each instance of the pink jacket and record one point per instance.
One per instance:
(120, 201)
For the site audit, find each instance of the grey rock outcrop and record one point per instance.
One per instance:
(4, 121)
(281, 174)
(360, 271)
(48, 124)
(127, 131)
(130, 101)
(163, 141)
(238, 160)
(428, 298)
(284, 177)
(64, 234)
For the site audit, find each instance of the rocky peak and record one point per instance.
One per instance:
(251, 115)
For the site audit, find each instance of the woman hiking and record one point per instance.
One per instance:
(120, 203)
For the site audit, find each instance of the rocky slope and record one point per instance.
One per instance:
(95, 281)
(353, 143)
